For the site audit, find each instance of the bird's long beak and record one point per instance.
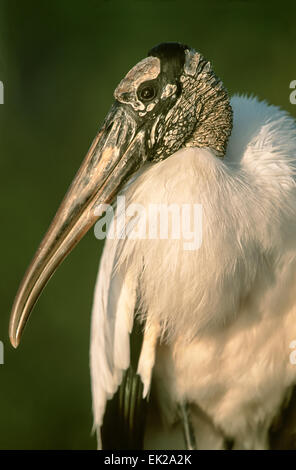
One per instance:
(116, 152)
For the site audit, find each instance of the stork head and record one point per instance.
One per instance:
(170, 99)
(174, 94)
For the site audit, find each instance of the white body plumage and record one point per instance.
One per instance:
(226, 313)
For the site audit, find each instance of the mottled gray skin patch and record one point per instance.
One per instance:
(202, 115)
(191, 62)
(168, 91)
(213, 110)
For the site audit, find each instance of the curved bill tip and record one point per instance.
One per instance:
(16, 326)
(14, 340)
(115, 154)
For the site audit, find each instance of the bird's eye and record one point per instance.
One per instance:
(147, 93)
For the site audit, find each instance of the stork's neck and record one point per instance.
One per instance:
(213, 109)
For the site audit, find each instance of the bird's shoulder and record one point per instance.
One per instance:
(263, 133)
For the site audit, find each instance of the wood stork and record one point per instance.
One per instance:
(215, 323)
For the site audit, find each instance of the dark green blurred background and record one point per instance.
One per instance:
(60, 61)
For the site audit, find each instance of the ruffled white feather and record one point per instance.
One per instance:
(225, 312)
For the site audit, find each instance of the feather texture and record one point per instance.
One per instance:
(219, 319)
